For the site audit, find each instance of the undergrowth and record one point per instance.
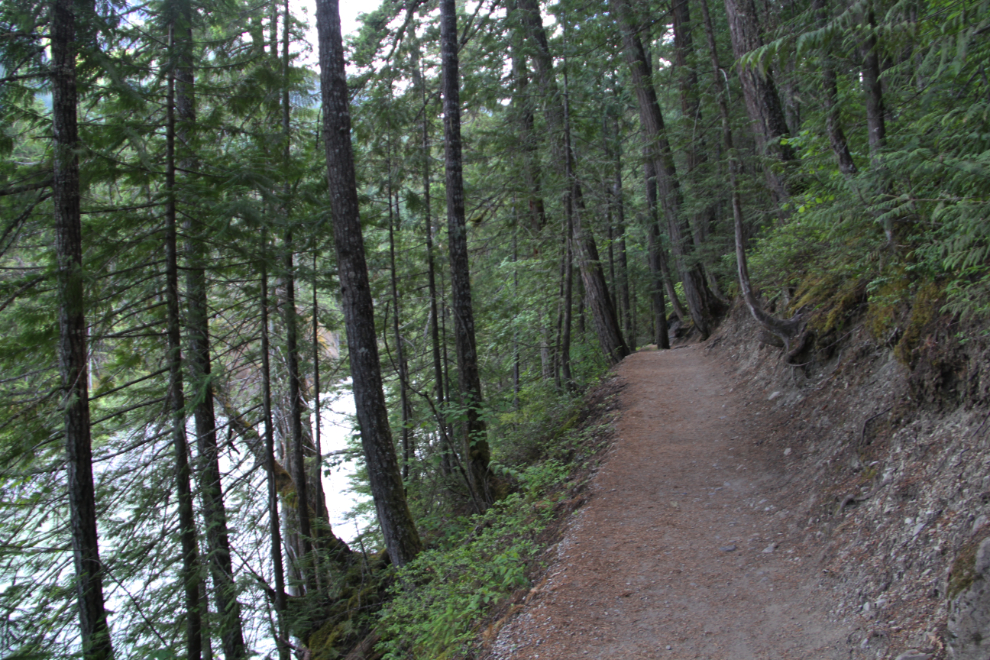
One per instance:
(437, 603)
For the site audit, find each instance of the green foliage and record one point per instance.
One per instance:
(438, 598)
(480, 561)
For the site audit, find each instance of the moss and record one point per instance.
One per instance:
(841, 306)
(813, 290)
(566, 426)
(924, 309)
(887, 306)
(349, 615)
(963, 572)
(322, 644)
(832, 300)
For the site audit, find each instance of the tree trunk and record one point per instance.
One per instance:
(875, 121)
(786, 330)
(602, 308)
(558, 336)
(198, 363)
(661, 334)
(438, 371)
(567, 301)
(336, 548)
(419, 83)
(830, 100)
(762, 101)
(618, 204)
(297, 447)
(407, 448)
(189, 575)
(700, 301)
(394, 517)
(298, 462)
(522, 103)
(515, 333)
(469, 379)
(274, 521)
(696, 157)
(72, 352)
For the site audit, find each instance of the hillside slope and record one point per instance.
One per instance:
(888, 475)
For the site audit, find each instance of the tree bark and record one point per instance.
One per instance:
(274, 521)
(701, 302)
(875, 121)
(297, 447)
(603, 311)
(661, 334)
(198, 363)
(522, 102)
(438, 374)
(696, 157)
(830, 100)
(187, 525)
(567, 301)
(407, 448)
(469, 379)
(515, 334)
(760, 92)
(394, 517)
(619, 214)
(787, 330)
(72, 348)
(308, 566)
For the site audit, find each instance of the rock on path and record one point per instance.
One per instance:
(680, 553)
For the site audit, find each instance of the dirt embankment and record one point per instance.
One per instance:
(888, 470)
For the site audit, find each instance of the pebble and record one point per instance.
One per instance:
(727, 548)
(770, 548)
(913, 655)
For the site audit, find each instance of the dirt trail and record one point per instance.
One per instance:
(681, 551)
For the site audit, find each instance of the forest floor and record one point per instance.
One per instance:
(683, 550)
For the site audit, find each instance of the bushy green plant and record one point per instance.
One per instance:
(438, 597)
(478, 561)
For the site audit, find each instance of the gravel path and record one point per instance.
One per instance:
(681, 551)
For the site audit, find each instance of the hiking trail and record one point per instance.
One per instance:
(682, 550)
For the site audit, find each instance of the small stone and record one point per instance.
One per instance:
(770, 548)
(669, 647)
(787, 452)
(912, 654)
(773, 396)
(728, 548)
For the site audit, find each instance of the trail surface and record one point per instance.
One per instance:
(681, 551)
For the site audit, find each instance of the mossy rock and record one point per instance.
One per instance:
(925, 309)
(968, 624)
(963, 571)
(887, 307)
(833, 301)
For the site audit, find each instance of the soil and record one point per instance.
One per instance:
(687, 547)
